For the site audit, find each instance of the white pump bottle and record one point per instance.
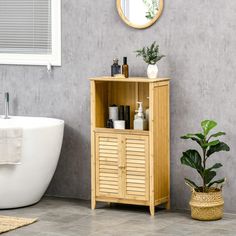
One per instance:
(140, 123)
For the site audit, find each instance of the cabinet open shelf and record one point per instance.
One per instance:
(130, 166)
(119, 92)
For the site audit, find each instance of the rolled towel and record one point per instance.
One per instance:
(11, 145)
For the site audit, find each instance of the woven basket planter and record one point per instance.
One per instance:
(207, 206)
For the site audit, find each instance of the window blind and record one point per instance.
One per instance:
(25, 26)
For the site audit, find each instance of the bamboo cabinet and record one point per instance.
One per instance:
(130, 166)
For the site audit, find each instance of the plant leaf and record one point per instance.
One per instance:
(213, 143)
(216, 166)
(152, 46)
(193, 159)
(158, 58)
(198, 135)
(191, 183)
(216, 182)
(217, 135)
(193, 137)
(209, 175)
(221, 146)
(208, 125)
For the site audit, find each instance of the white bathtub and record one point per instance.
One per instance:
(25, 184)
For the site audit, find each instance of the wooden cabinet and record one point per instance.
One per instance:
(130, 166)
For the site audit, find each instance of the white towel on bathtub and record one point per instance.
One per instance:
(10, 145)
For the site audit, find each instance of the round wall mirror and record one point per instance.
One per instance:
(139, 14)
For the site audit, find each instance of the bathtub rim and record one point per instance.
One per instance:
(53, 122)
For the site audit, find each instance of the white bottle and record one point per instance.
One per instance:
(140, 123)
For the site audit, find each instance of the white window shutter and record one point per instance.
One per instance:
(25, 27)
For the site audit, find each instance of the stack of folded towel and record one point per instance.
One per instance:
(10, 145)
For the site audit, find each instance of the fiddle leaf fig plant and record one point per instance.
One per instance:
(209, 145)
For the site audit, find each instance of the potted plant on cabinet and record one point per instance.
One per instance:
(151, 56)
(207, 201)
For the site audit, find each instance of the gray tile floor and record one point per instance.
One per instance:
(63, 217)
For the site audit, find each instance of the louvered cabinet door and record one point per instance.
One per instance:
(136, 167)
(107, 165)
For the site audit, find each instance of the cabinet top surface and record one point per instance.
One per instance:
(130, 79)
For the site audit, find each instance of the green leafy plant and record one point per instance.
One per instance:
(150, 54)
(152, 6)
(193, 159)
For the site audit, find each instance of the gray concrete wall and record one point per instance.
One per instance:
(198, 38)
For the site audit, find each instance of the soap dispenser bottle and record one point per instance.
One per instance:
(140, 123)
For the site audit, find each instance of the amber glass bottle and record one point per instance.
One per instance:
(125, 68)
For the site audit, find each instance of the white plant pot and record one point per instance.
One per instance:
(152, 71)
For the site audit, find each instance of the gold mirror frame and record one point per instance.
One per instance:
(123, 17)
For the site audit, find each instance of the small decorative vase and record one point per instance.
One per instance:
(152, 71)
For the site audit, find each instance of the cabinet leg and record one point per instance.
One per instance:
(93, 204)
(152, 210)
(168, 205)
